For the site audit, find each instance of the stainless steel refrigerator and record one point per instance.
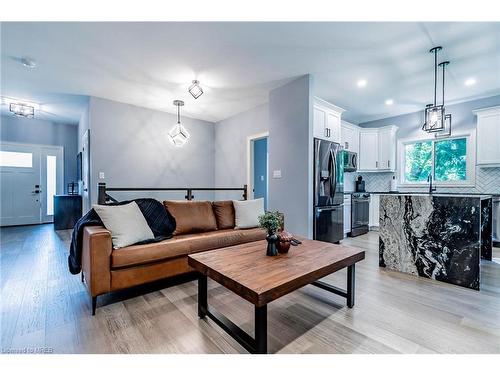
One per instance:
(328, 191)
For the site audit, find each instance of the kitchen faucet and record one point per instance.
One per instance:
(429, 180)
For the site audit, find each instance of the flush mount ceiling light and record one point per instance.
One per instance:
(22, 110)
(28, 62)
(178, 134)
(195, 89)
(361, 83)
(389, 102)
(436, 121)
(470, 82)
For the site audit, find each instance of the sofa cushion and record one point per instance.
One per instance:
(183, 245)
(224, 214)
(192, 216)
(246, 213)
(126, 224)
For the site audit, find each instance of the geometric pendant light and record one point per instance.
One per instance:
(435, 117)
(178, 134)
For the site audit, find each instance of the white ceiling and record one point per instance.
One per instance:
(151, 64)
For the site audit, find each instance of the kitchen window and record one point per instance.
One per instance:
(450, 161)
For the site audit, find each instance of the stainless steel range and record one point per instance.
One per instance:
(360, 213)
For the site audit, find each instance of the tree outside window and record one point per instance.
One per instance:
(446, 160)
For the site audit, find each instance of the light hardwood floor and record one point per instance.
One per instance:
(44, 306)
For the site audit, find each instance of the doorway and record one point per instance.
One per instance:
(258, 167)
(30, 175)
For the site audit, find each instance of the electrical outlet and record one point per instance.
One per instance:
(101, 175)
(277, 173)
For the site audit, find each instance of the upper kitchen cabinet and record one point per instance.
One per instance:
(377, 149)
(488, 136)
(368, 147)
(326, 120)
(349, 135)
(387, 148)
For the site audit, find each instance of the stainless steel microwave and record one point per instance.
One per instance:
(350, 161)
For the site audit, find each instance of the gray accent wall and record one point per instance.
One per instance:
(290, 150)
(130, 145)
(35, 131)
(231, 146)
(410, 126)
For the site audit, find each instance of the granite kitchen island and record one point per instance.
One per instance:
(438, 236)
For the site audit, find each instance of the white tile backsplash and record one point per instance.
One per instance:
(487, 182)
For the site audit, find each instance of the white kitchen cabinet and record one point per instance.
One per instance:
(333, 126)
(377, 149)
(387, 148)
(319, 123)
(350, 137)
(368, 150)
(374, 210)
(326, 120)
(347, 214)
(488, 136)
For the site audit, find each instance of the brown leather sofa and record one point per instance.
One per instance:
(201, 226)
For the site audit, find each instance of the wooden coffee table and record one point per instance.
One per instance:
(247, 271)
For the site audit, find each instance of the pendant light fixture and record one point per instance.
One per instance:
(447, 118)
(434, 113)
(195, 89)
(178, 134)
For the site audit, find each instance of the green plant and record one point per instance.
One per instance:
(271, 221)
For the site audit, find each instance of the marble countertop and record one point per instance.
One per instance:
(447, 195)
(481, 195)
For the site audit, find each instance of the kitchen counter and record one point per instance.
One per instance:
(438, 236)
(435, 193)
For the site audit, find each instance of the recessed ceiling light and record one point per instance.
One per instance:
(362, 83)
(28, 62)
(470, 82)
(389, 102)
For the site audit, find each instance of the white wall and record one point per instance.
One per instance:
(130, 145)
(231, 146)
(290, 150)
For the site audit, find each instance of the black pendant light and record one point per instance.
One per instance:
(434, 113)
(446, 131)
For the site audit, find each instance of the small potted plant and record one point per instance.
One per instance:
(271, 222)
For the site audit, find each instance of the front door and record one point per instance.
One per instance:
(29, 177)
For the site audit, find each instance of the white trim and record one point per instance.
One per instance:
(470, 137)
(322, 102)
(487, 111)
(250, 140)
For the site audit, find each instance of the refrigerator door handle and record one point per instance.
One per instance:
(333, 176)
(333, 208)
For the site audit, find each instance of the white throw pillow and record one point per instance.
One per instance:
(126, 224)
(246, 213)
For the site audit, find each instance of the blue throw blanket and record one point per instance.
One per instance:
(160, 221)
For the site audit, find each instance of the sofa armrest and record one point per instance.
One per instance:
(96, 259)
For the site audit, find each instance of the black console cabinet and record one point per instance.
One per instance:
(67, 211)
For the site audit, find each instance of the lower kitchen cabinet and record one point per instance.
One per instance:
(347, 214)
(374, 210)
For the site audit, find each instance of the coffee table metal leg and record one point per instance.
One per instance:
(350, 286)
(202, 296)
(347, 294)
(261, 329)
